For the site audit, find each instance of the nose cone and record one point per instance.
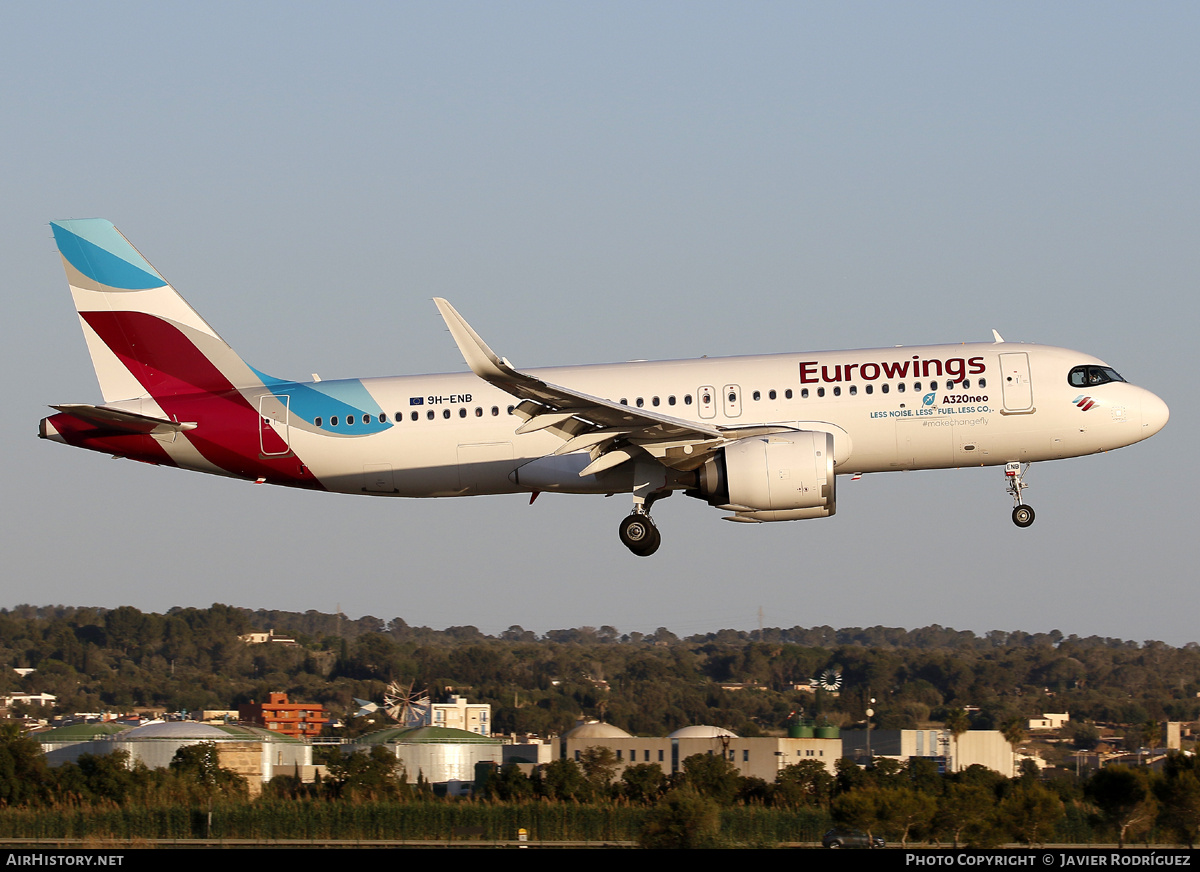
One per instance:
(1154, 415)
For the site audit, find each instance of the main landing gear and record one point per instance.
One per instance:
(639, 534)
(1014, 472)
(637, 530)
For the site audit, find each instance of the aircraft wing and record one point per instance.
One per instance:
(608, 430)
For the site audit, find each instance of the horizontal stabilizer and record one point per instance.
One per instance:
(116, 419)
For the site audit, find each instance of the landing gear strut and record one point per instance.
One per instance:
(637, 530)
(1014, 472)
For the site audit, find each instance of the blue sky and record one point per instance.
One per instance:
(600, 182)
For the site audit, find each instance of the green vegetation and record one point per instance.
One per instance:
(189, 659)
(707, 804)
(124, 659)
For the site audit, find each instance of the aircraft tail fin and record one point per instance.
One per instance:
(144, 339)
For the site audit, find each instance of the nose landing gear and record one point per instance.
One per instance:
(1014, 472)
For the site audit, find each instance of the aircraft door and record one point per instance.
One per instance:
(1016, 387)
(731, 396)
(706, 399)
(273, 437)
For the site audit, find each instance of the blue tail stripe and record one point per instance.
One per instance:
(95, 248)
(340, 397)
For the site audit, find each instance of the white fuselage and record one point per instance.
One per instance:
(454, 434)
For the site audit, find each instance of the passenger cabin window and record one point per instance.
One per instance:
(788, 393)
(1088, 376)
(317, 421)
(757, 396)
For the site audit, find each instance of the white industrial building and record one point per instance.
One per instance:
(255, 754)
(760, 756)
(984, 747)
(444, 757)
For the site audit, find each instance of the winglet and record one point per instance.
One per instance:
(483, 361)
(997, 335)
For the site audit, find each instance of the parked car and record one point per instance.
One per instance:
(839, 838)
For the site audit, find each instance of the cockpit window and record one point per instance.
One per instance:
(1090, 376)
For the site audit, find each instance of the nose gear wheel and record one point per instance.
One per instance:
(1014, 472)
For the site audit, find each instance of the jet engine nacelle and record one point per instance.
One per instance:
(781, 477)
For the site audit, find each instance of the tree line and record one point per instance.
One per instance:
(648, 684)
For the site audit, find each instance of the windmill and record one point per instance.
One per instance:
(409, 707)
(402, 704)
(830, 681)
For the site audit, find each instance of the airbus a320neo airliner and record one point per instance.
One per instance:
(759, 437)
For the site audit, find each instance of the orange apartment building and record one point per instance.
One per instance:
(297, 719)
